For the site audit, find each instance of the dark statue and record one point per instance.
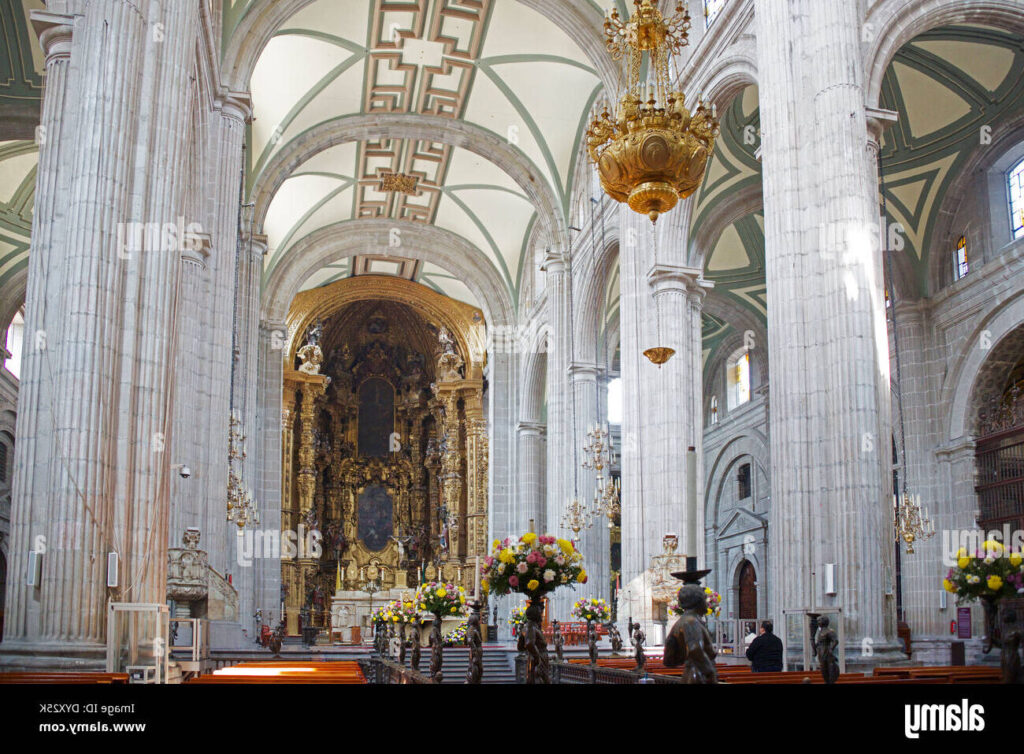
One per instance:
(475, 670)
(401, 643)
(1011, 640)
(531, 641)
(689, 642)
(414, 659)
(592, 642)
(825, 645)
(615, 637)
(277, 638)
(436, 647)
(638, 647)
(557, 639)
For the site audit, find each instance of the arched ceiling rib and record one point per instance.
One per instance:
(494, 67)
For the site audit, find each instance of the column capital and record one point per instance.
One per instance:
(54, 31)
(532, 428)
(197, 248)
(879, 121)
(236, 105)
(670, 278)
(554, 261)
(258, 241)
(582, 371)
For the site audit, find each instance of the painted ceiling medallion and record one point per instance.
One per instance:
(398, 182)
(654, 151)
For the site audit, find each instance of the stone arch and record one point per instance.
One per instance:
(590, 301)
(534, 382)
(751, 443)
(725, 80)
(1007, 137)
(425, 242)
(734, 206)
(365, 127)
(975, 368)
(896, 22)
(265, 17)
(13, 295)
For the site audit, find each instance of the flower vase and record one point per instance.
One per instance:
(990, 610)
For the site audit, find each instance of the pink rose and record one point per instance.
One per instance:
(522, 568)
(541, 561)
(513, 581)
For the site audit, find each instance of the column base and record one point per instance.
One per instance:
(22, 657)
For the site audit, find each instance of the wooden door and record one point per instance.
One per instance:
(748, 591)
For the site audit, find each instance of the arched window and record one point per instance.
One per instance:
(711, 10)
(714, 409)
(1016, 187)
(960, 266)
(738, 377)
(14, 338)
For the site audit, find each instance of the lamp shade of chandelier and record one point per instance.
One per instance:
(653, 151)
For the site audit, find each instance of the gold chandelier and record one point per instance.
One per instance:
(911, 520)
(653, 152)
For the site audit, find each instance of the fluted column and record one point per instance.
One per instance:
(30, 506)
(532, 474)
(831, 481)
(559, 406)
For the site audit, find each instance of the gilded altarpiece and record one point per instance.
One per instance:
(385, 450)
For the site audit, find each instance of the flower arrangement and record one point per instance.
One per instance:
(457, 636)
(441, 599)
(713, 598)
(401, 611)
(992, 572)
(517, 618)
(380, 615)
(592, 609)
(532, 565)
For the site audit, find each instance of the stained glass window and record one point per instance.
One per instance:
(739, 378)
(711, 10)
(1017, 199)
(714, 409)
(960, 263)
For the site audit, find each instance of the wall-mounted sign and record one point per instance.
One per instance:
(963, 623)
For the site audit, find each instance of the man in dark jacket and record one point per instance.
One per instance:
(765, 652)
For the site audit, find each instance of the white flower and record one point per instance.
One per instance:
(522, 568)
(549, 575)
(560, 560)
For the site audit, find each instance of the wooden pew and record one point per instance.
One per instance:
(64, 677)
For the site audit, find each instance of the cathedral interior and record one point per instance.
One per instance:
(322, 300)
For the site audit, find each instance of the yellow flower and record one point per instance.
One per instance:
(496, 544)
(1016, 559)
(462, 599)
(455, 610)
(963, 562)
(485, 585)
(961, 553)
(565, 545)
(441, 592)
(948, 585)
(395, 619)
(582, 577)
(462, 589)
(992, 546)
(532, 585)
(507, 556)
(529, 538)
(995, 583)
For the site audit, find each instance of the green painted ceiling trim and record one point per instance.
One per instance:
(914, 214)
(23, 199)
(487, 187)
(523, 250)
(534, 58)
(494, 247)
(19, 80)
(301, 105)
(20, 225)
(16, 149)
(286, 242)
(752, 238)
(534, 130)
(20, 248)
(323, 36)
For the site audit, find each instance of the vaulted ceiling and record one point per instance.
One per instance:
(495, 65)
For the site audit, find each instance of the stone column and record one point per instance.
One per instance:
(532, 475)
(30, 505)
(559, 408)
(831, 480)
(501, 394)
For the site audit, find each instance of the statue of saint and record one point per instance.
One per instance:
(538, 668)
(615, 637)
(592, 642)
(825, 649)
(475, 670)
(557, 639)
(689, 643)
(1010, 659)
(638, 646)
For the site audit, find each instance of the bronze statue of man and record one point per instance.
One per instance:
(689, 643)
(592, 642)
(475, 670)
(615, 637)
(557, 639)
(826, 643)
(638, 647)
(538, 667)
(414, 660)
